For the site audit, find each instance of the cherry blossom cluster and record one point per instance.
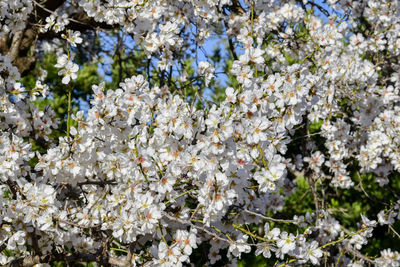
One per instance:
(13, 15)
(146, 176)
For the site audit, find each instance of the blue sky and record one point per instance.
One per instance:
(203, 53)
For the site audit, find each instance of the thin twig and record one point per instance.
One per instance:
(101, 183)
(394, 231)
(359, 255)
(267, 218)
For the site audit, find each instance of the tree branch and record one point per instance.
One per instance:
(320, 8)
(30, 261)
(35, 243)
(359, 255)
(267, 218)
(100, 183)
(16, 42)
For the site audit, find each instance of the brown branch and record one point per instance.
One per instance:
(323, 10)
(359, 255)
(4, 245)
(16, 42)
(310, 179)
(14, 188)
(232, 49)
(204, 229)
(118, 53)
(101, 183)
(373, 198)
(266, 217)
(76, 224)
(35, 243)
(394, 231)
(20, 47)
(313, 191)
(70, 257)
(214, 235)
(130, 253)
(170, 76)
(78, 21)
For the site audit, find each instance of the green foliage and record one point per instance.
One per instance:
(82, 89)
(257, 261)
(289, 59)
(87, 76)
(301, 201)
(127, 64)
(315, 126)
(199, 255)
